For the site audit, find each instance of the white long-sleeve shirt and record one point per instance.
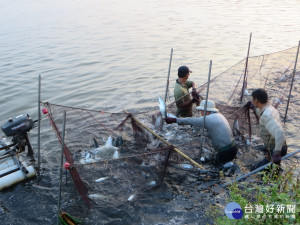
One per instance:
(271, 130)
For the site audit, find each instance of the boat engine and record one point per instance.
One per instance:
(18, 129)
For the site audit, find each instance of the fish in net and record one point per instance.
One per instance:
(114, 159)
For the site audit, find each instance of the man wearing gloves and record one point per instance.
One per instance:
(271, 130)
(218, 130)
(184, 102)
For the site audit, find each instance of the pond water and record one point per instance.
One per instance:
(110, 55)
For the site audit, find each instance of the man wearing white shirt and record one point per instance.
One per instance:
(271, 129)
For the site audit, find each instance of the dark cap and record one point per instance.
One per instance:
(183, 70)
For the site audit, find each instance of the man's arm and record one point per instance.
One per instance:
(190, 84)
(190, 121)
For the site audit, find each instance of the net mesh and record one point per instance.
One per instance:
(118, 159)
(272, 72)
(109, 148)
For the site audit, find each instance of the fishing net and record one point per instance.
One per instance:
(232, 89)
(112, 155)
(115, 157)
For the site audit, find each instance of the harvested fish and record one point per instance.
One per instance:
(236, 128)
(96, 143)
(109, 141)
(97, 196)
(131, 197)
(229, 168)
(104, 152)
(118, 141)
(248, 142)
(158, 121)
(116, 154)
(186, 166)
(282, 77)
(152, 183)
(246, 92)
(162, 107)
(277, 100)
(100, 179)
(171, 115)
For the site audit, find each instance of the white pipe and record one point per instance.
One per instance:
(8, 169)
(16, 177)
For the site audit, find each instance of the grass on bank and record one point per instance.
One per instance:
(280, 190)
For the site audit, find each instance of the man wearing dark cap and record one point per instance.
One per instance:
(184, 102)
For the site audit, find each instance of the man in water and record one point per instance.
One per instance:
(218, 130)
(271, 130)
(183, 100)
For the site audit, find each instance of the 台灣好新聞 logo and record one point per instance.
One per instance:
(233, 211)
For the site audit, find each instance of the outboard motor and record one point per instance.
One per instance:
(17, 128)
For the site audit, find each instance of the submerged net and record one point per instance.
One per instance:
(129, 159)
(116, 157)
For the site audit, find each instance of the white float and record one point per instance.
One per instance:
(10, 173)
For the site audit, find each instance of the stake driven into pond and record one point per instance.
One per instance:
(167, 87)
(39, 126)
(167, 143)
(245, 73)
(61, 166)
(205, 107)
(291, 87)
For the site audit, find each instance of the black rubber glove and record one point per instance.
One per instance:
(277, 158)
(170, 120)
(250, 105)
(195, 94)
(195, 100)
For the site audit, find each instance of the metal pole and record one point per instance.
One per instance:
(293, 77)
(205, 106)
(260, 168)
(61, 166)
(246, 67)
(39, 126)
(167, 87)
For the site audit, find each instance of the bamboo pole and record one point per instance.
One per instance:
(61, 166)
(293, 77)
(167, 143)
(246, 67)
(205, 107)
(167, 87)
(39, 126)
(259, 169)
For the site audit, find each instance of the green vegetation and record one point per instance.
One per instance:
(274, 199)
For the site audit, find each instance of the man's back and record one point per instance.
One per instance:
(218, 128)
